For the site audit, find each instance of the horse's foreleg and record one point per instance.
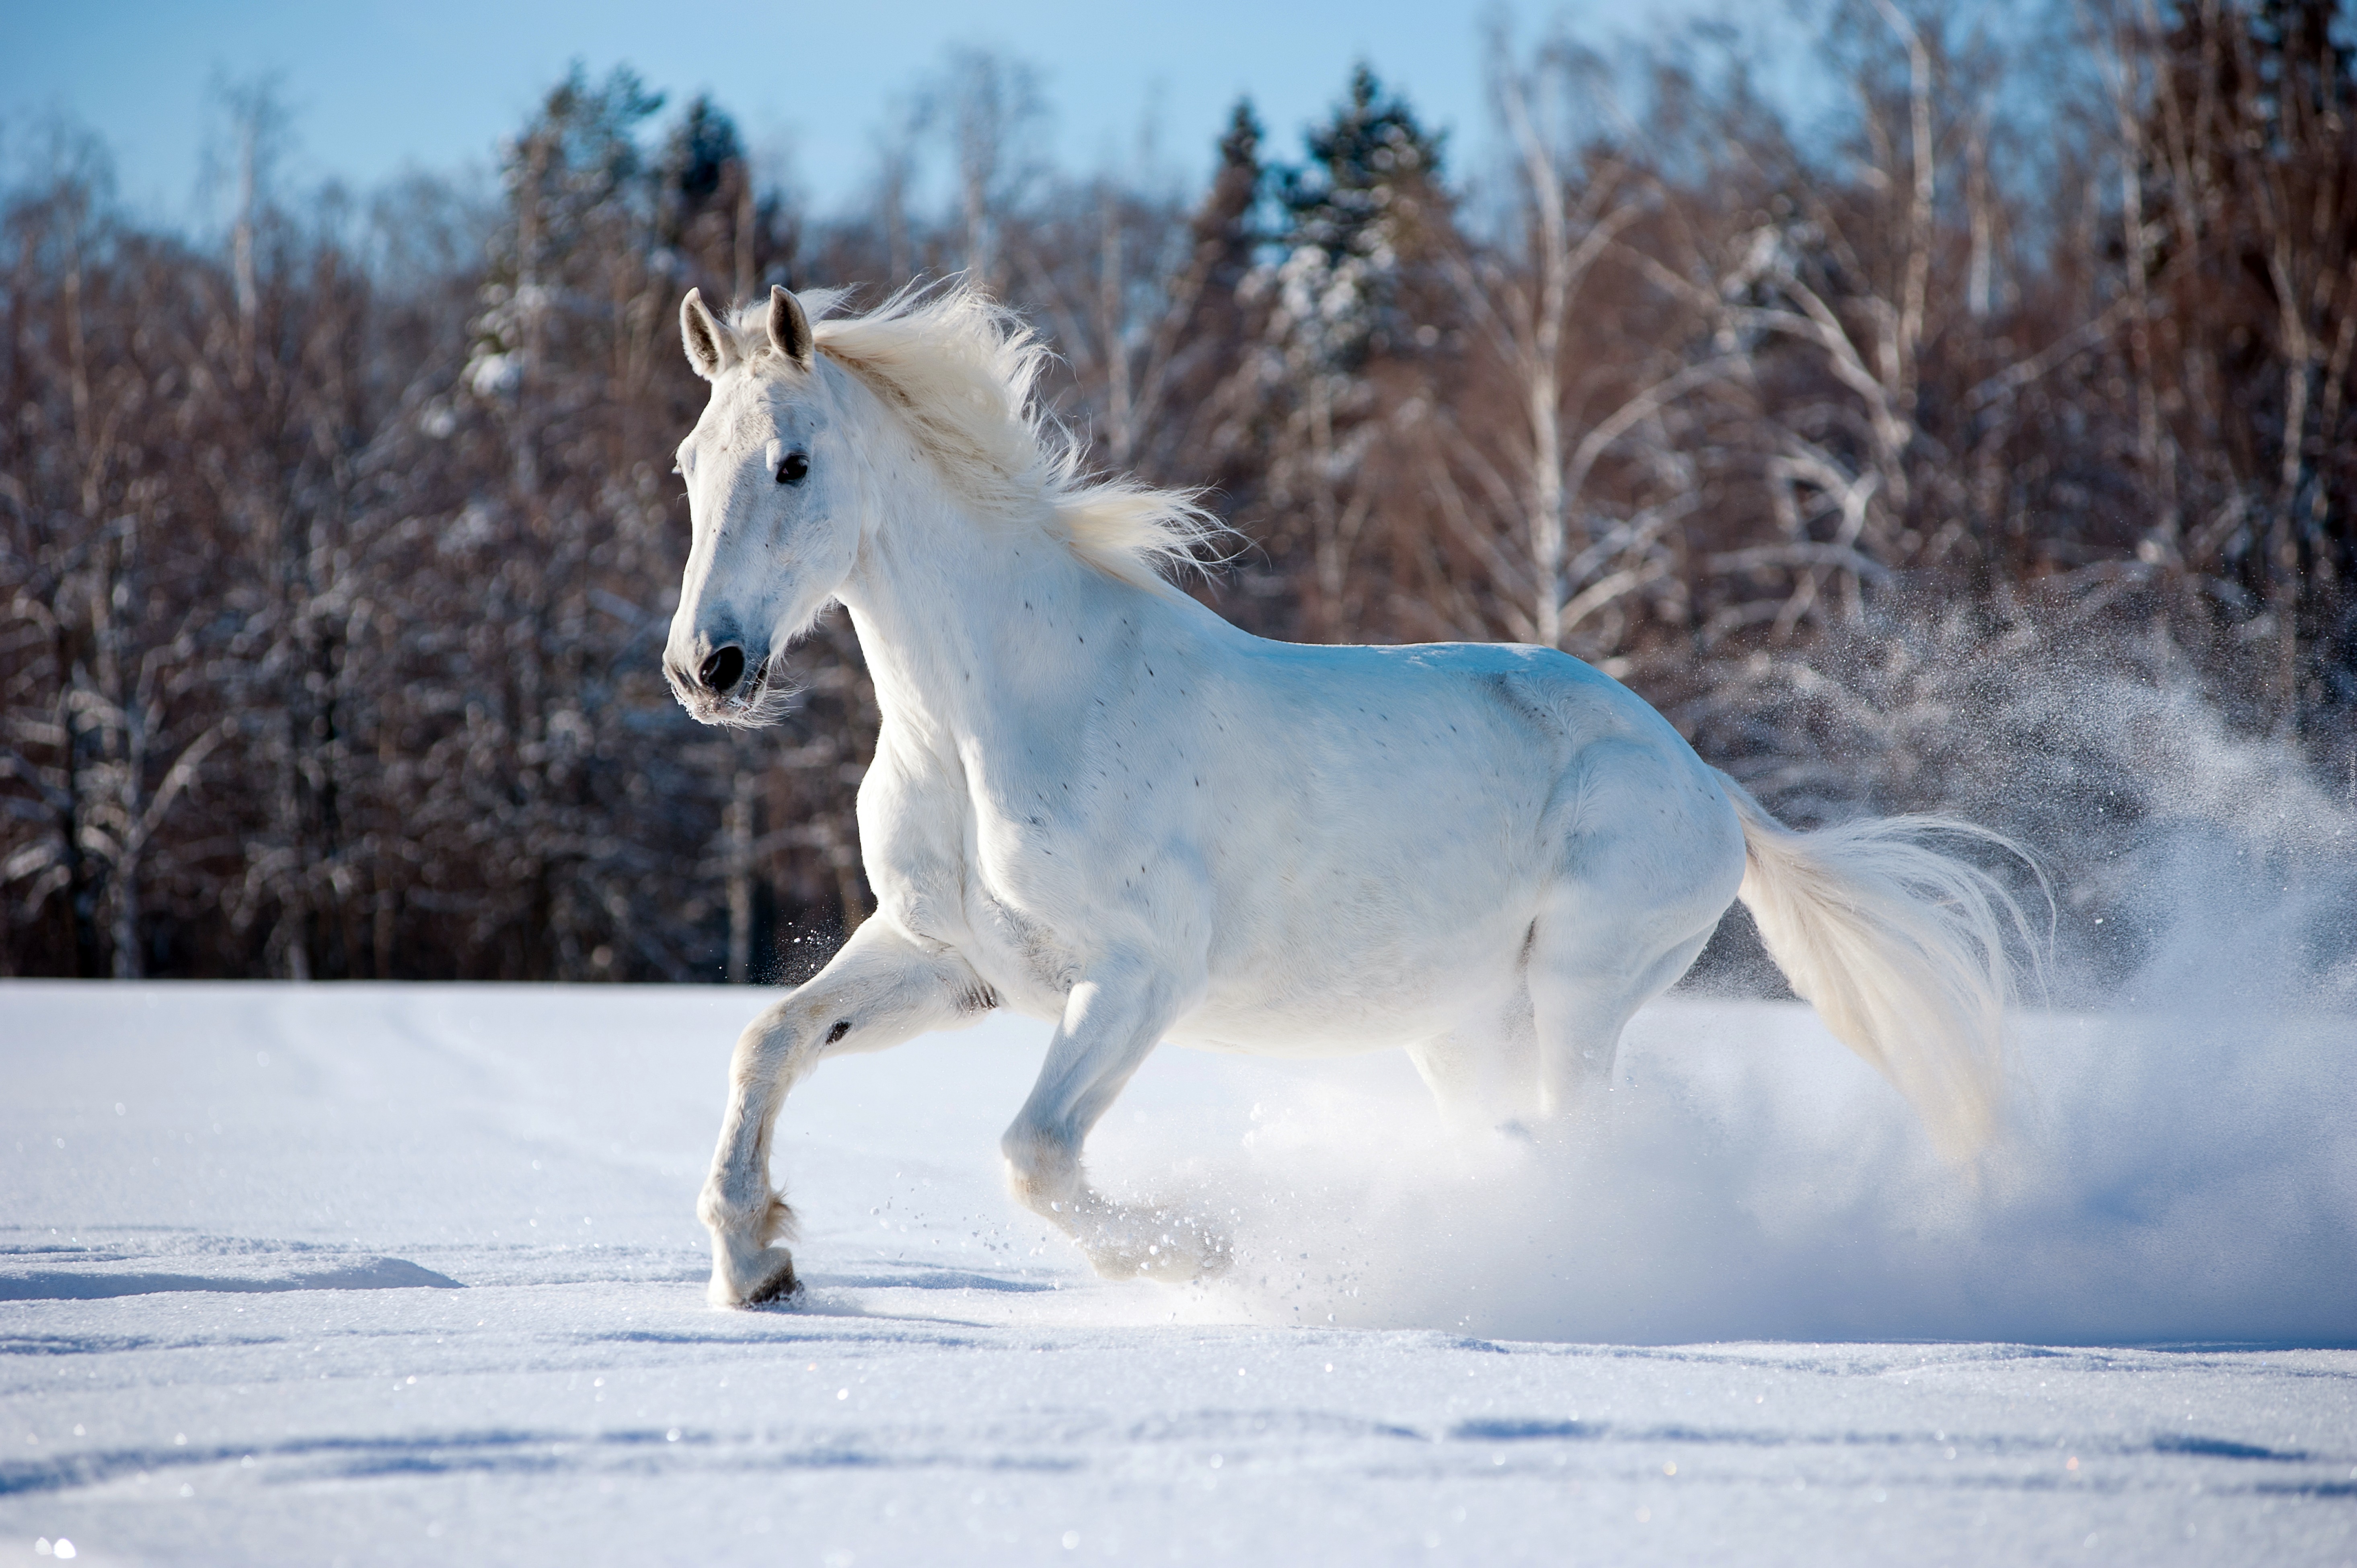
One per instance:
(881, 989)
(1107, 1030)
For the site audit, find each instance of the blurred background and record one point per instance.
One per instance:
(1926, 405)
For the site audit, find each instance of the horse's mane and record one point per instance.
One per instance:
(964, 371)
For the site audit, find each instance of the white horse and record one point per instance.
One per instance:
(1096, 803)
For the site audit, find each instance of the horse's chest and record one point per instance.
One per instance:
(1039, 863)
(990, 891)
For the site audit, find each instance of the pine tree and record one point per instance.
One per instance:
(1371, 171)
(1227, 228)
(1359, 210)
(697, 156)
(1359, 218)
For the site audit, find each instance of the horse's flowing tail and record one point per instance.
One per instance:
(1905, 952)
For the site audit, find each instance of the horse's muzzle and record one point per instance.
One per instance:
(724, 688)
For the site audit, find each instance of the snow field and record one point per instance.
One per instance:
(407, 1274)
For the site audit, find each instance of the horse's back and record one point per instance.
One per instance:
(1510, 721)
(1407, 811)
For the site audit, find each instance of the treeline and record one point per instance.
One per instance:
(336, 552)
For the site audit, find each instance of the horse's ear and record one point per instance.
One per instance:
(789, 329)
(708, 344)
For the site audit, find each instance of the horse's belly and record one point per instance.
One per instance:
(1307, 1032)
(1341, 1022)
(1334, 996)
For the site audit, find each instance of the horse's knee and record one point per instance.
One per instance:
(1043, 1168)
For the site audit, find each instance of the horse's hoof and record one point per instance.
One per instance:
(774, 1281)
(781, 1286)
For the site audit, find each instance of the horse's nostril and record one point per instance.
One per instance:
(723, 670)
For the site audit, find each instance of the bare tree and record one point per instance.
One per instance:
(1524, 509)
(991, 110)
(336, 546)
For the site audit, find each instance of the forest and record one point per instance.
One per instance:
(1886, 447)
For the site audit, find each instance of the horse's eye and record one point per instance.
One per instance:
(794, 469)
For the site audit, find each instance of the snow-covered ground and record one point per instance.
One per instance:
(360, 1274)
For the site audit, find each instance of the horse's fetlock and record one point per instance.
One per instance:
(724, 1209)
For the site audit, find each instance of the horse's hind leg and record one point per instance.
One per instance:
(880, 990)
(1585, 987)
(1483, 1075)
(1654, 863)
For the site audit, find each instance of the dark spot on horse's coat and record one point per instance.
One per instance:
(842, 1027)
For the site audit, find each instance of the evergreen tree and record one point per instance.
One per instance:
(701, 147)
(1370, 172)
(582, 150)
(1227, 227)
(703, 158)
(1365, 206)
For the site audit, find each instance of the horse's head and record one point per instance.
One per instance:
(775, 517)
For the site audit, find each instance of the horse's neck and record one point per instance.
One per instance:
(968, 625)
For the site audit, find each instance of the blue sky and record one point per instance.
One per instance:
(378, 88)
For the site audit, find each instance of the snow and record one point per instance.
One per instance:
(402, 1273)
